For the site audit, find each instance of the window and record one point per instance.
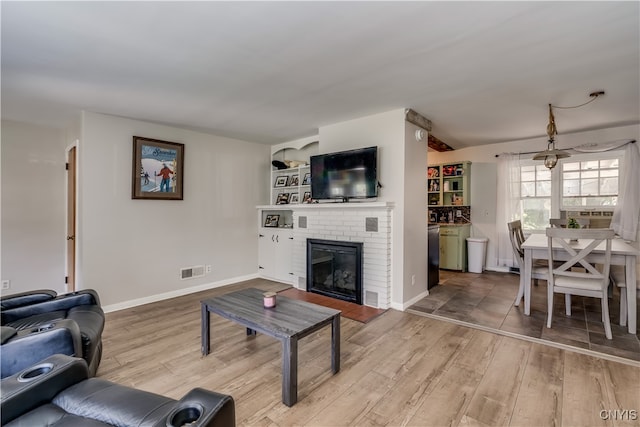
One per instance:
(590, 183)
(582, 181)
(535, 196)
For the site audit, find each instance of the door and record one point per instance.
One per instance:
(71, 221)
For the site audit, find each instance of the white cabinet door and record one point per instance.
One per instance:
(275, 253)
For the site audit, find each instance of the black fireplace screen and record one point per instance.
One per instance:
(334, 268)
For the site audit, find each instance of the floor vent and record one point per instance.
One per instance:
(192, 272)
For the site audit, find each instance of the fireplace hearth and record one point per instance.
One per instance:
(334, 269)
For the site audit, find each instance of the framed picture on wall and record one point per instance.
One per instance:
(158, 169)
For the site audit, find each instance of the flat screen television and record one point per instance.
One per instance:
(345, 175)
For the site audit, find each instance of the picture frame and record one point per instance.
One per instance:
(158, 169)
(294, 198)
(282, 199)
(306, 198)
(281, 181)
(293, 181)
(271, 220)
(307, 179)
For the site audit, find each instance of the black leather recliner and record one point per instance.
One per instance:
(37, 324)
(58, 391)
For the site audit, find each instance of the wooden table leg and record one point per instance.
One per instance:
(290, 371)
(335, 344)
(527, 281)
(204, 330)
(630, 278)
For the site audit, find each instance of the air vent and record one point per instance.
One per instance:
(371, 298)
(192, 272)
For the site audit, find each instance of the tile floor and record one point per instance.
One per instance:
(352, 311)
(487, 300)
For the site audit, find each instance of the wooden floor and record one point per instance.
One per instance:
(398, 369)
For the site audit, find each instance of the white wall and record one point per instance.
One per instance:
(415, 216)
(133, 249)
(484, 173)
(397, 163)
(33, 207)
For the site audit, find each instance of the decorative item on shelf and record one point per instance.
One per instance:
(449, 170)
(269, 299)
(281, 181)
(294, 198)
(551, 154)
(282, 199)
(457, 200)
(307, 197)
(278, 164)
(433, 173)
(293, 181)
(446, 186)
(271, 220)
(307, 179)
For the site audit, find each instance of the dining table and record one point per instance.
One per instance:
(622, 253)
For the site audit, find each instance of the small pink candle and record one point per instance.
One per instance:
(269, 299)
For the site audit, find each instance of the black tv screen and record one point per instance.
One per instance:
(345, 175)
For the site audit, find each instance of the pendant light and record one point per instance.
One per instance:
(552, 154)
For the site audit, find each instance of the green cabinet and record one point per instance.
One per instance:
(453, 246)
(448, 184)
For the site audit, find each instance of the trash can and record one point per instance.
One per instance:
(477, 248)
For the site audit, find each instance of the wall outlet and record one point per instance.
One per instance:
(207, 268)
(6, 284)
(458, 213)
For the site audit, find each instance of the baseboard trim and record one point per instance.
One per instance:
(177, 293)
(403, 306)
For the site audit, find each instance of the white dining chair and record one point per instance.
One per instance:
(591, 282)
(618, 276)
(539, 270)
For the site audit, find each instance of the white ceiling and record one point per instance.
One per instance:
(270, 72)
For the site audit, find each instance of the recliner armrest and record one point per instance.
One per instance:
(27, 347)
(49, 377)
(203, 408)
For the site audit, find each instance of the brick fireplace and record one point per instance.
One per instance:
(366, 223)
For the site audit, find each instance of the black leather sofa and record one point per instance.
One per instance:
(40, 323)
(58, 391)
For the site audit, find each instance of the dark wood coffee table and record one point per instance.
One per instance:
(288, 321)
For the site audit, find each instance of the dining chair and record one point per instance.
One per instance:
(539, 269)
(619, 277)
(557, 222)
(591, 282)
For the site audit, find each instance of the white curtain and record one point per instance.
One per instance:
(626, 214)
(508, 208)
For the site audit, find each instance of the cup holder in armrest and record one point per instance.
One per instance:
(185, 416)
(43, 328)
(34, 372)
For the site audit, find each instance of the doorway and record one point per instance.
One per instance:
(70, 279)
